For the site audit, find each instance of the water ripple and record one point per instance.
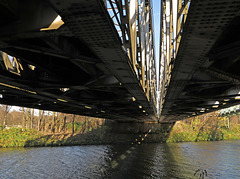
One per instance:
(180, 160)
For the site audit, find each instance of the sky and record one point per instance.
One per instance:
(156, 17)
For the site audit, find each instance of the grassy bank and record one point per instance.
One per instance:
(205, 128)
(202, 128)
(17, 137)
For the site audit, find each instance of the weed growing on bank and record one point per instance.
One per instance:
(17, 137)
(206, 128)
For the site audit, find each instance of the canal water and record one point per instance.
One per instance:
(175, 160)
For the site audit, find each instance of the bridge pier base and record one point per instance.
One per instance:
(125, 132)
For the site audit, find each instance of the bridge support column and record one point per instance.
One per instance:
(125, 132)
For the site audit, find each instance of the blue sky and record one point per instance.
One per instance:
(156, 17)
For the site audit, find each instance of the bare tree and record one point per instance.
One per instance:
(28, 118)
(44, 121)
(84, 126)
(60, 122)
(54, 119)
(64, 124)
(24, 118)
(73, 120)
(32, 117)
(47, 122)
(40, 119)
(6, 109)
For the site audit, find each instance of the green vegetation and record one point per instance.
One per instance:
(206, 128)
(77, 126)
(56, 129)
(97, 136)
(82, 127)
(17, 137)
(24, 129)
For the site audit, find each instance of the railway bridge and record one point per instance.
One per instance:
(88, 57)
(97, 57)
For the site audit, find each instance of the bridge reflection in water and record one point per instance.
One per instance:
(179, 160)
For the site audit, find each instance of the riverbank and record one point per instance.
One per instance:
(17, 137)
(201, 128)
(206, 128)
(110, 133)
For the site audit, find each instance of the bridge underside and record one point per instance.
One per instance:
(80, 67)
(206, 71)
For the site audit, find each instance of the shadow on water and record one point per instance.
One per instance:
(175, 160)
(145, 160)
(134, 153)
(108, 161)
(130, 161)
(148, 161)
